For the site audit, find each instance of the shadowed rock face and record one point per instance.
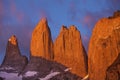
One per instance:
(104, 47)
(113, 72)
(13, 56)
(69, 50)
(1, 78)
(41, 42)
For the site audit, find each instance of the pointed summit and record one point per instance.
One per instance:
(69, 50)
(63, 28)
(44, 20)
(41, 42)
(13, 57)
(13, 40)
(12, 46)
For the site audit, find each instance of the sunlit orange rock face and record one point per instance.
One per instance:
(41, 42)
(69, 50)
(13, 57)
(104, 47)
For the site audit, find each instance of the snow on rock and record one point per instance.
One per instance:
(49, 76)
(52, 74)
(7, 68)
(30, 73)
(85, 78)
(68, 69)
(10, 76)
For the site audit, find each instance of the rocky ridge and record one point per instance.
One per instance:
(47, 70)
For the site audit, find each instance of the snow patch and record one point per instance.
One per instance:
(7, 68)
(50, 76)
(10, 76)
(86, 77)
(30, 73)
(68, 69)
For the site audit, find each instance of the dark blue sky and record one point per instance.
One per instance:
(19, 17)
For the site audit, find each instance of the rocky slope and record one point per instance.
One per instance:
(13, 60)
(39, 68)
(41, 42)
(69, 50)
(104, 47)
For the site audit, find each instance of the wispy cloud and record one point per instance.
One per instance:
(22, 29)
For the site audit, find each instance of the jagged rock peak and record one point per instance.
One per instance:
(69, 50)
(12, 46)
(104, 47)
(72, 28)
(41, 41)
(43, 21)
(13, 40)
(63, 28)
(13, 58)
(115, 15)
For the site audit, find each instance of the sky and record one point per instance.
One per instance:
(19, 17)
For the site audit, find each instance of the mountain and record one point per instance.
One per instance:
(66, 59)
(104, 46)
(69, 50)
(13, 60)
(41, 41)
(41, 65)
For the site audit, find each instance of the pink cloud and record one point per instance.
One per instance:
(23, 32)
(44, 14)
(2, 11)
(19, 15)
(87, 19)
